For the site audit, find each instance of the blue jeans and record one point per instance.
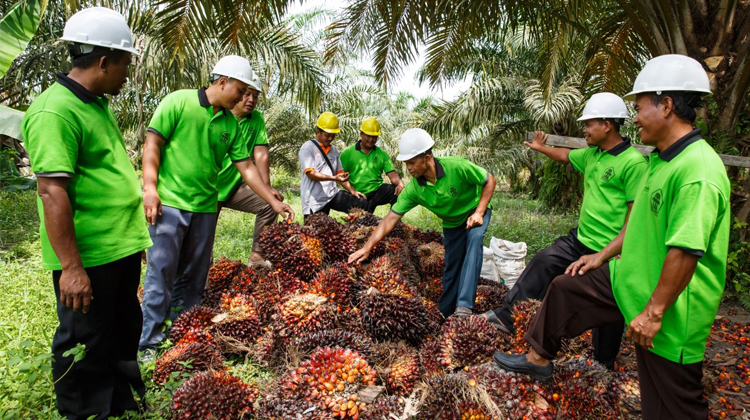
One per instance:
(463, 263)
(178, 264)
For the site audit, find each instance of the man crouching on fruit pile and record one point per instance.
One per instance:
(459, 193)
(669, 280)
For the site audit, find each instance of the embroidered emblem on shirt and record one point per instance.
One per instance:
(453, 191)
(225, 137)
(608, 174)
(656, 201)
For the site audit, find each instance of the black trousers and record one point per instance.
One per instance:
(102, 383)
(573, 305)
(385, 194)
(342, 201)
(535, 280)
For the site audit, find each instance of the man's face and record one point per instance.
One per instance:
(249, 101)
(595, 131)
(417, 166)
(232, 91)
(117, 73)
(649, 118)
(324, 138)
(367, 141)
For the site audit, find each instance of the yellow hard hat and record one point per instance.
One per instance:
(370, 126)
(328, 123)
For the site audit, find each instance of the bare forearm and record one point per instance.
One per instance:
(676, 273)
(253, 179)
(614, 247)
(260, 155)
(559, 154)
(384, 228)
(486, 195)
(394, 178)
(58, 222)
(317, 176)
(151, 157)
(348, 186)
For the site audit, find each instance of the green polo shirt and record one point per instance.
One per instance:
(71, 133)
(196, 142)
(453, 197)
(682, 202)
(252, 133)
(611, 180)
(366, 171)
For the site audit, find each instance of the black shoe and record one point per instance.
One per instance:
(495, 321)
(518, 363)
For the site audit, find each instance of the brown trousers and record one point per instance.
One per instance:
(574, 305)
(246, 200)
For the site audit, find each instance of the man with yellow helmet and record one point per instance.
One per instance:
(321, 170)
(365, 162)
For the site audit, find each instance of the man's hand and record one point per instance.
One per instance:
(75, 289)
(152, 206)
(584, 264)
(538, 142)
(342, 177)
(359, 195)
(399, 188)
(359, 255)
(475, 219)
(277, 194)
(643, 329)
(284, 209)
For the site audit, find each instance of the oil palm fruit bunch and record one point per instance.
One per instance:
(489, 297)
(331, 378)
(277, 408)
(268, 348)
(431, 288)
(186, 357)
(383, 274)
(587, 390)
(385, 407)
(338, 242)
(293, 248)
(304, 313)
(239, 318)
(468, 341)
(517, 396)
(306, 343)
(427, 236)
(523, 314)
(398, 366)
(449, 397)
(393, 316)
(430, 259)
(361, 233)
(275, 288)
(359, 217)
(192, 325)
(432, 358)
(335, 282)
(213, 394)
(221, 275)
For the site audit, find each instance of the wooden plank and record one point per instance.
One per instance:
(579, 143)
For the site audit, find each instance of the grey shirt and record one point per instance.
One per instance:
(316, 194)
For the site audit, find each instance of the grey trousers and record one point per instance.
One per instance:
(246, 200)
(178, 264)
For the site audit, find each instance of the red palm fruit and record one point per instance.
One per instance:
(195, 320)
(432, 358)
(398, 366)
(517, 396)
(393, 316)
(277, 408)
(431, 260)
(306, 343)
(489, 297)
(304, 313)
(213, 395)
(337, 240)
(385, 407)
(188, 357)
(335, 283)
(587, 390)
(293, 248)
(273, 289)
(383, 274)
(239, 318)
(220, 278)
(449, 397)
(469, 340)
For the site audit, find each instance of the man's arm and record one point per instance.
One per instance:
(349, 187)
(676, 273)
(75, 286)
(592, 261)
(254, 180)
(384, 228)
(150, 161)
(396, 180)
(260, 156)
(476, 219)
(538, 143)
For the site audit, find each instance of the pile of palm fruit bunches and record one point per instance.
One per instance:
(364, 342)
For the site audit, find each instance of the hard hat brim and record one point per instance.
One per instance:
(631, 96)
(371, 133)
(331, 130)
(97, 44)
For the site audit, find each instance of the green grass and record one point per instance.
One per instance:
(27, 312)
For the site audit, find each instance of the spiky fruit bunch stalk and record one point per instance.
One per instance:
(435, 317)
(239, 318)
(275, 288)
(517, 396)
(277, 408)
(488, 298)
(267, 350)
(187, 357)
(335, 283)
(247, 281)
(523, 314)
(398, 366)
(393, 317)
(192, 325)
(359, 217)
(427, 236)
(305, 313)
(383, 274)
(361, 235)
(215, 395)
(331, 378)
(294, 248)
(385, 407)
(432, 358)
(587, 390)
(431, 288)
(306, 343)
(450, 397)
(431, 259)
(337, 240)
(220, 277)
(469, 341)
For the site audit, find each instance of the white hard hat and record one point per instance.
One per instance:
(604, 105)
(413, 142)
(236, 67)
(670, 72)
(99, 26)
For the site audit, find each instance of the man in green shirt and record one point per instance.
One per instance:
(459, 193)
(234, 193)
(670, 278)
(365, 162)
(189, 136)
(92, 227)
(612, 170)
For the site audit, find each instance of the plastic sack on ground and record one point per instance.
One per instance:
(488, 265)
(509, 258)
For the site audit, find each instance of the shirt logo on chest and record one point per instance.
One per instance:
(453, 191)
(608, 174)
(656, 201)
(224, 137)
